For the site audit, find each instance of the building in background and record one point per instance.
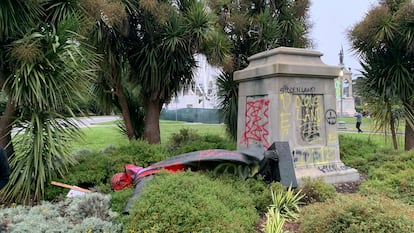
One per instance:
(198, 101)
(202, 93)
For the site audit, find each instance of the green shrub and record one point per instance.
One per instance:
(316, 190)
(192, 202)
(260, 192)
(274, 221)
(120, 198)
(356, 152)
(287, 202)
(285, 206)
(364, 154)
(184, 136)
(393, 178)
(188, 140)
(354, 213)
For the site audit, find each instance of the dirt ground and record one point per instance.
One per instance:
(348, 187)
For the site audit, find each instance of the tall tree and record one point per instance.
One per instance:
(255, 26)
(16, 18)
(108, 36)
(45, 66)
(163, 38)
(384, 40)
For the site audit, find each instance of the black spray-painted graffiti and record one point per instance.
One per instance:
(308, 156)
(330, 116)
(332, 168)
(297, 90)
(308, 117)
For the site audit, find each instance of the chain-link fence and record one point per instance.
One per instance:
(202, 115)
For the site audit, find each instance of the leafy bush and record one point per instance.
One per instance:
(185, 135)
(261, 192)
(316, 190)
(354, 213)
(188, 140)
(355, 152)
(363, 154)
(120, 198)
(40, 155)
(287, 203)
(393, 178)
(87, 213)
(192, 202)
(285, 206)
(274, 221)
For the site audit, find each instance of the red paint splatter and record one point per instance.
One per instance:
(257, 121)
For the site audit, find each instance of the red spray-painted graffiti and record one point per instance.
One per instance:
(257, 121)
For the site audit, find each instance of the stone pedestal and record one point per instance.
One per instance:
(288, 94)
(345, 102)
(348, 107)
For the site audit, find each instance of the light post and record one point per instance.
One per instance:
(341, 75)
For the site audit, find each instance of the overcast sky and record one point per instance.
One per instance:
(331, 19)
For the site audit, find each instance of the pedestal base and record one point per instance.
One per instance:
(332, 173)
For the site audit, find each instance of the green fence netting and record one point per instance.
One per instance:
(201, 115)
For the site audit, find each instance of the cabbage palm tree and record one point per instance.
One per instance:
(164, 36)
(384, 40)
(45, 67)
(16, 18)
(256, 26)
(108, 36)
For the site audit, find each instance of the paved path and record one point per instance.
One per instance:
(90, 121)
(350, 128)
(84, 122)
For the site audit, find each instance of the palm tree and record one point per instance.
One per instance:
(256, 26)
(164, 36)
(45, 67)
(384, 40)
(112, 86)
(16, 18)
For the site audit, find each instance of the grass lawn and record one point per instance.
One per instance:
(368, 123)
(107, 134)
(379, 139)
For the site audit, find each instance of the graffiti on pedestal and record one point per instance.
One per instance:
(308, 117)
(308, 110)
(285, 115)
(257, 122)
(313, 156)
(330, 116)
(327, 168)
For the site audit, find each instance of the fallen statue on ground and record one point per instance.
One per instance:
(274, 164)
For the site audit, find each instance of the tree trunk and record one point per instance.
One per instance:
(409, 136)
(152, 121)
(6, 127)
(393, 133)
(6, 120)
(123, 102)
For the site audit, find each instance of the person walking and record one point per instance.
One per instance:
(358, 116)
(4, 168)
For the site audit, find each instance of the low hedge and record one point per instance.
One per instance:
(355, 213)
(395, 179)
(193, 202)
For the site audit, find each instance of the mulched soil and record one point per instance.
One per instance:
(347, 187)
